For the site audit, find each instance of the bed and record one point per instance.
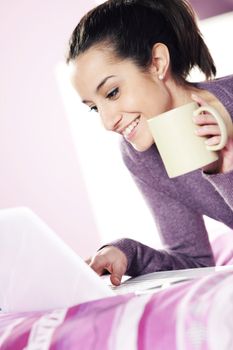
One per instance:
(194, 314)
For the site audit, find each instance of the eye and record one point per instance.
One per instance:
(93, 109)
(112, 94)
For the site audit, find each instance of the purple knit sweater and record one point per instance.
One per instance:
(178, 204)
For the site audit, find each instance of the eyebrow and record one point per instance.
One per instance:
(101, 84)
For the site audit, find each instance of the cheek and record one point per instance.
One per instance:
(129, 102)
(159, 101)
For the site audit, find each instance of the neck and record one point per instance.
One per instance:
(180, 94)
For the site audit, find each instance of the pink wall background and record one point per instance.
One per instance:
(39, 165)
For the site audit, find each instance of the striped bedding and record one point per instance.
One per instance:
(191, 315)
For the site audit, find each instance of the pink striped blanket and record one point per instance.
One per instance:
(191, 315)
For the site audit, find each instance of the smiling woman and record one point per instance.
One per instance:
(113, 95)
(130, 60)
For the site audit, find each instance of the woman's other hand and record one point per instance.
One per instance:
(209, 128)
(111, 259)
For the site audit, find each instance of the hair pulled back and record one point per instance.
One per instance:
(132, 27)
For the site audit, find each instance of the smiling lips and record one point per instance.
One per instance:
(128, 132)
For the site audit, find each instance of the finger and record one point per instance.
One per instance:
(88, 260)
(203, 119)
(118, 270)
(208, 130)
(98, 264)
(212, 141)
(199, 100)
(115, 279)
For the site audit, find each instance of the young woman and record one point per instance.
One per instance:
(130, 60)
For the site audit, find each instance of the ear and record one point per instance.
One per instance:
(160, 61)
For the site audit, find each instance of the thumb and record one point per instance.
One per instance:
(199, 100)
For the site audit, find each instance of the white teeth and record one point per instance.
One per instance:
(130, 127)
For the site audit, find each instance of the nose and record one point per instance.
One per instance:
(110, 119)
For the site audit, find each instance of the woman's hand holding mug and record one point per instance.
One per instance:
(210, 128)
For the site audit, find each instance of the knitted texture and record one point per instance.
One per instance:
(178, 204)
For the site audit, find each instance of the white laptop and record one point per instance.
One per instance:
(38, 271)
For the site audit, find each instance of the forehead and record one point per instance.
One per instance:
(92, 66)
(95, 64)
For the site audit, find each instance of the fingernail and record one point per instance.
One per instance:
(208, 142)
(117, 280)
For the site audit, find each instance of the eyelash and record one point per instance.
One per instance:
(93, 109)
(113, 93)
(109, 96)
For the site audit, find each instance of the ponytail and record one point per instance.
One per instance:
(191, 49)
(132, 27)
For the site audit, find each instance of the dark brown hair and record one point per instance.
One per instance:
(132, 27)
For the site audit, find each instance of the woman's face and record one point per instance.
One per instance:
(121, 93)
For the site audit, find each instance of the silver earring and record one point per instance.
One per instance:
(160, 77)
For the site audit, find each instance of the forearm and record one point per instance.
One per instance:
(223, 183)
(143, 259)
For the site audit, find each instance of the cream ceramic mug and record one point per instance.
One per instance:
(180, 148)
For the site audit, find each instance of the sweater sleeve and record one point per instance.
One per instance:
(223, 183)
(183, 233)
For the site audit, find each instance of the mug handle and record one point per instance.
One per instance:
(221, 124)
